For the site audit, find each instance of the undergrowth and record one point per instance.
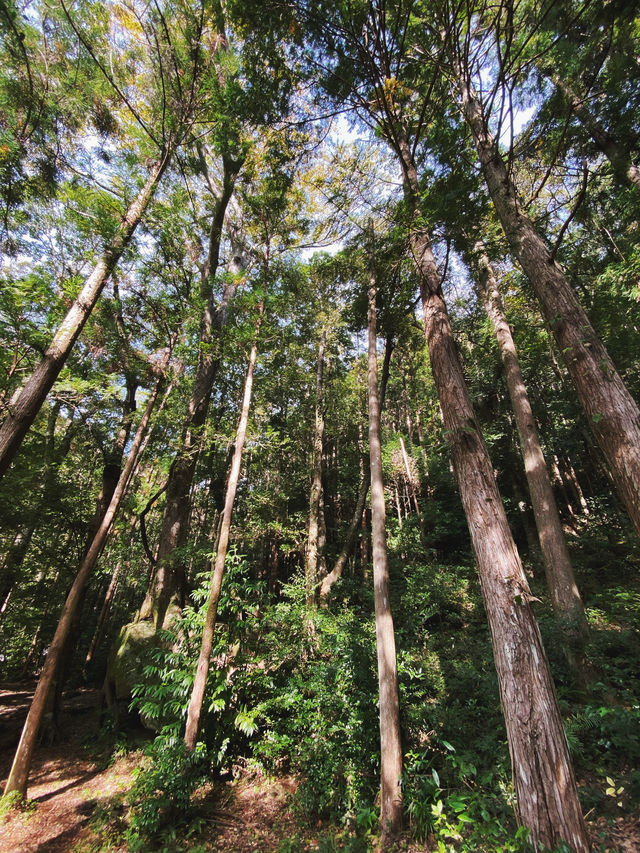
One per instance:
(293, 690)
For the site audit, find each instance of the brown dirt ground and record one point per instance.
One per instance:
(251, 814)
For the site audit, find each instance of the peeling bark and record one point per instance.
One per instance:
(544, 781)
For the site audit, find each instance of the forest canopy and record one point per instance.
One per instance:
(319, 424)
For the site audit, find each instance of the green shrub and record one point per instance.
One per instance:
(161, 797)
(162, 698)
(459, 807)
(315, 694)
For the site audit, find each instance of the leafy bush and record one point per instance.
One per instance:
(162, 699)
(314, 689)
(458, 806)
(161, 795)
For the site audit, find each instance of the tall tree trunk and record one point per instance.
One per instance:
(624, 168)
(169, 580)
(19, 774)
(543, 777)
(354, 524)
(202, 669)
(390, 743)
(565, 596)
(311, 558)
(612, 413)
(24, 408)
(111, 472)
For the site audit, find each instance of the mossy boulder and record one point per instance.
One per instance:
(131, 652)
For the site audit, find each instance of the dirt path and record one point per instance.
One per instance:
(65, 785)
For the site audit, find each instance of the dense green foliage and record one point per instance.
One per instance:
(89, 93)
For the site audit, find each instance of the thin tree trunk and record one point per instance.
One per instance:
(13, 561)
(612, 413)
(19, 774)
(274, 562)
(544, 781)
(396, 494)
(565, 596)
(528, 522)
(390, 743)
(616, 154)
(23, 539)
(571, 478)
(34, 648)
(411, 484)
(423, 454)
(311, 560)
(352, 530)
(350, 540)
(169, 580)
(111, 472)
(322, 535)
(202, 670)
(24, 408)
(365, 546)
(102, 618)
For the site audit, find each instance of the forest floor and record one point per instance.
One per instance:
(76, 798)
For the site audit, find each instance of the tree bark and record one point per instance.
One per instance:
(612, 413)
(111, 472)
(169, 580)
(23, 410)
(565, 596)
(102, 618)
(19, 774)
(114, 583)
(354, 524)
(390, 743)
(202, 669)
(311, 560)
(544, 781)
